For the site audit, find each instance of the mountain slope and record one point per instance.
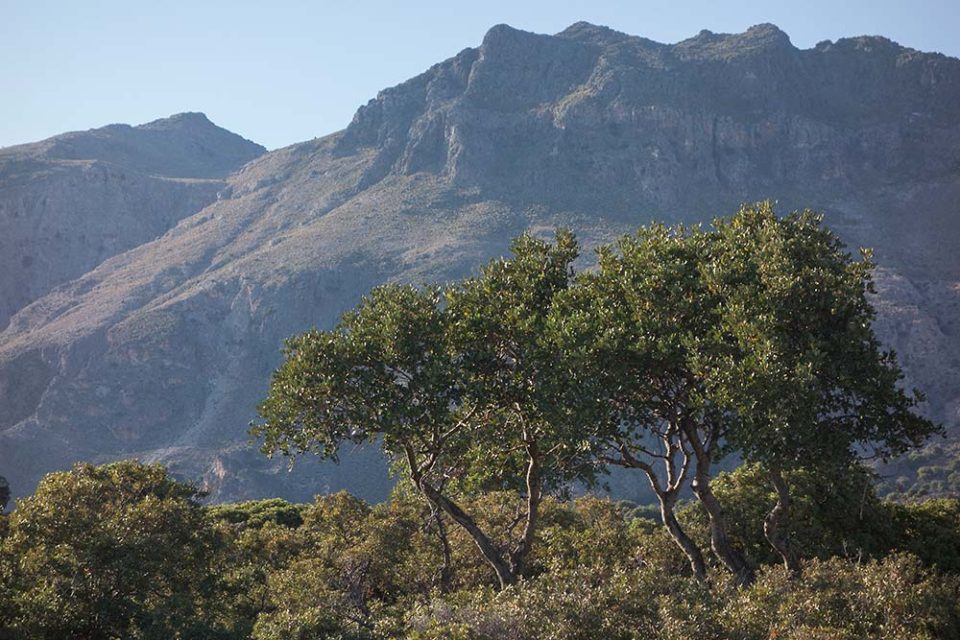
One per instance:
(164, 351)
(69, 202)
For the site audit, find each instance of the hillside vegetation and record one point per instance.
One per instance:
(123, 551)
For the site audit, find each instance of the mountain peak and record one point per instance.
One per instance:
(588, 32)
(767, 30)
(504, 36)
(187, 119)
(184, 145)
(760, 39)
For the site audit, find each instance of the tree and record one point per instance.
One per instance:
(807, 379)
(463, 394)
(834, 512)
(514, 375)
(385, 371)
(754, 337)
(254, 514)
(641, 333)
(120, 550)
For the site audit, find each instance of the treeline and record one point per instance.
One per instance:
(124, 551)
(495, 398)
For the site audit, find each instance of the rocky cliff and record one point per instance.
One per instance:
(70, 202)
(162, 352)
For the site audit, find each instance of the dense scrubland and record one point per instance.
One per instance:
(504, 400)
(123, 551)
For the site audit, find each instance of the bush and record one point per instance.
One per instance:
(125, 551)
(830, 514)
(115, 551)
(896, 599)
(930, 530)
(256, 513)
(571, 605)
(893, 599)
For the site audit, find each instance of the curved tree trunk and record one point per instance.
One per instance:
(667, 496)
(491, 553)
(685, 542)
(446, 576)
(775, 523)
(534, 497)
(731, 558)
(719, 541)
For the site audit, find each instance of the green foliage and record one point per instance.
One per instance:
(129, 550)
(761, 325)
(466, 396)
(686, 344)
(836, 599)
(254, 514)
(752, 337)
(592, 532)
(808, 378)
(932, 471)
(895, 598)
(573, 605)
(309, 605)
(832, 514)
(513, 369)
(383, 371)
(120, 550)
(930, 530)
(640, 335)
(637, 331)
(254, 554)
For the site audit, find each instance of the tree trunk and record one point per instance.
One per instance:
(775, 522)
(685, 542)
(667, 497)
(719, 541)
(446, 576)
(534, 497)
(489, 550)
(491, 553)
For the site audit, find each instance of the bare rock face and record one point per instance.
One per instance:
(163, 352)
(70, 202)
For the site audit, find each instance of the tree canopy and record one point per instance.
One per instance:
(462, 387)
(752, 337)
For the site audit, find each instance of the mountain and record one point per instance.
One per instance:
(163, 351)
(70, 202)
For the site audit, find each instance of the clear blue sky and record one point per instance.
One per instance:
(280, 72)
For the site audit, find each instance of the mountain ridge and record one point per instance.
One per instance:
(184, 145)
(163, 351)
(75, 199)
